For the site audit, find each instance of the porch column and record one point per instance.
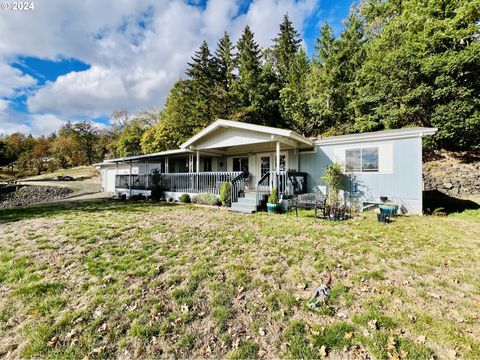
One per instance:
(146, 174)
(130, 181)
(277, 148)
(198, 161)
(278, 155)
(166, 165)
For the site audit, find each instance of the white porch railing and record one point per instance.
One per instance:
(179, 182)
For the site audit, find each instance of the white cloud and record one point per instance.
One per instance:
(4, 104)
(45, 124)
(136, 49)
(12, 79)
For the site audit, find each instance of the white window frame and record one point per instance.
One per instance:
(361, 170)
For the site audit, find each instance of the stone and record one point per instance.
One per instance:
(448, 185)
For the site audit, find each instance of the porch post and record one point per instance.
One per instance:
(278, 155)
(130, 181)
(146, 174)
(198, 161)
(278, 165)
(166, 165)
(197, 182)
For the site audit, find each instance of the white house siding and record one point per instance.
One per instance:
(399, 176)
(228, 137)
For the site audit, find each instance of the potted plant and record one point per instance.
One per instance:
(272, 201)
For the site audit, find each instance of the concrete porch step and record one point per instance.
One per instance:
(247, 201)
(243, 208)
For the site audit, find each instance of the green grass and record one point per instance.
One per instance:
(82, 172)
(132, 279)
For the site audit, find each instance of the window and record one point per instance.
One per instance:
(240, 164)
(370, 159)
(362, 160)
(283, 162)
(264, 165)
(207, 164)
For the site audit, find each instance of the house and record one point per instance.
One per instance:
(382, 165)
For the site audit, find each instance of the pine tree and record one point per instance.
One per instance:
(285, 47)
(225, 62)
(325, 43)
(293, 97)
(247, 88)
(202, 69)
(203, 74)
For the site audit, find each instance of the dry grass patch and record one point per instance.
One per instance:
(112, 279)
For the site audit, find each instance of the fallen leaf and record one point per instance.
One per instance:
(323, 352)
(373, 324)
(393, 356)
(390, 343)
(451, 354)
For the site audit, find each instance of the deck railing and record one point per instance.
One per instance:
(179, 182)
(196, 182)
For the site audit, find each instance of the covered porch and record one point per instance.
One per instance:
(252, 158)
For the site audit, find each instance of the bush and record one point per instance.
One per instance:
(273, 197)
(334, 178)
(156, 193)
(205, 199)
(185, 198)
(225, 194)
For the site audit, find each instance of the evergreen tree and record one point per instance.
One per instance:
(285, 47)
(179, 120)
(202, 69)
(321, 83)
(293, 97)
(203, 74)
(225, 62)
(247, 88)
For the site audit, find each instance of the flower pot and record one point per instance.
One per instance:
(272, 208)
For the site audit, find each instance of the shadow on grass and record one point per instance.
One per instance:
(434, 199)
(88, 206)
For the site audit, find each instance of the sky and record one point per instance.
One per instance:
(83, 59)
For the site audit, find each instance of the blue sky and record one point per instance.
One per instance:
(87, 61)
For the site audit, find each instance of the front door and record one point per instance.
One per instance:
(265, 164)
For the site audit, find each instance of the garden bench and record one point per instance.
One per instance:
(308, 201)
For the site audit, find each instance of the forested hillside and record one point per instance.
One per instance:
(394, 64)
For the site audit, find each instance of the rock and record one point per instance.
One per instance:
(448, 185)
(32, 194)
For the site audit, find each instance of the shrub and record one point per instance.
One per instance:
(273, 197)
(225, 194)
(156, 192)
(205, 199)
(334, 178)
(185, 198)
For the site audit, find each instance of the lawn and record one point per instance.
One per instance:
(112, 279)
